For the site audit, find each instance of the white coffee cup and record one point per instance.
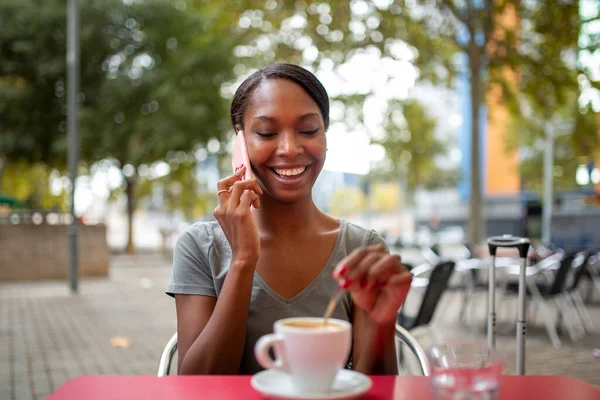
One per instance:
(312, 354)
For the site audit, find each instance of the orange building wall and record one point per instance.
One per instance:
(502, 169)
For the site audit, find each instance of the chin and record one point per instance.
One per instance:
(291, 197)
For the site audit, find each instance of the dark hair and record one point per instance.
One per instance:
(291, 72)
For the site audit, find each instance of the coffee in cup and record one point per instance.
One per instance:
(310, 352)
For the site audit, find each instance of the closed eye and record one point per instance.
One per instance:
(310, 133)
(266, 134)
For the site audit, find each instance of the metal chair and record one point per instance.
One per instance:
(435, 285)
(168, 353)
(405, 337)
(166, 358)
(554, 289)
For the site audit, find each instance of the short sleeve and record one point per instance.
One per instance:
(191, 272)
(375, 239)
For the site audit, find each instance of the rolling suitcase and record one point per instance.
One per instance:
(521, 244)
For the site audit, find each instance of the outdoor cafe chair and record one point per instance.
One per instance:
(435, 285)
(553, 289)
(403, 337)
(580, 266)
(166, 358)
(592, 274)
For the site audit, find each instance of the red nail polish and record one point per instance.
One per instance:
(381, 285)
(345, 284)
(343, 270)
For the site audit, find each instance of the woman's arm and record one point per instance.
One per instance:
(373, 348)
(211, 331)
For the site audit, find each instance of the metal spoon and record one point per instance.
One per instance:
(332, 303)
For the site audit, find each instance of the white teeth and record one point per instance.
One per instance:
(290, 171)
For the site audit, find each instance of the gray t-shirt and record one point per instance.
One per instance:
(201, 260)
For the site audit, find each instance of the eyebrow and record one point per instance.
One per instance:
(301, 118)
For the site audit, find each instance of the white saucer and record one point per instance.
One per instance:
(274, 384)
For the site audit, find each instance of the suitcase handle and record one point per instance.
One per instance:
(522, 244)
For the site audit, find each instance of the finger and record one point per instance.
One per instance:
(403, 279)
(387, 266)
(348, 262)
(255, 200)
(246, 199)
(239, 187)
(227, 183)
(361, 268)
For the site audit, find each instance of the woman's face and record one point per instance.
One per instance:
(285, 133)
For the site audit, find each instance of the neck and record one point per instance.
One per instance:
(274, 218)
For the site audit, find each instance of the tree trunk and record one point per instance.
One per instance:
(475, 224)
(130, 191)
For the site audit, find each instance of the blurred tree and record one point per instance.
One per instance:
(412, 148)
(347, 200)
(150, 82)
(179, 191)
(30, 184)
(164, 80)
(384, 197)
(32, 50)
(548, 95)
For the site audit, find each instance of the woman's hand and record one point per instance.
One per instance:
(377, 280)
(234, 215)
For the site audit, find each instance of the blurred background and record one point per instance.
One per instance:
(451, 121)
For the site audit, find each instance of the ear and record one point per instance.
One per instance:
(238, 128)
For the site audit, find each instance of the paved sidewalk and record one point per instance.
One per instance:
(48, 336)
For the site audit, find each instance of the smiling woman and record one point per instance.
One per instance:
(271, 253)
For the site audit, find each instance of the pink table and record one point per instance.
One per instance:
(238, 387)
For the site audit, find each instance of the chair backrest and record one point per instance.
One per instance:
(166, 358)
(405, 337)
(560, 278)
(438, 282)
(578, 268)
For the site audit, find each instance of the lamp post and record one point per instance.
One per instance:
(553, 129)
(72, 130)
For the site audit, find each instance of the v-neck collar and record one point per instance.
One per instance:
(325, 271)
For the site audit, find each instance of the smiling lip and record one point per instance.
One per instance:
(290, 173)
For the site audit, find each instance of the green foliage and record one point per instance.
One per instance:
(411, 148)
(161, 91)
(30, 185)
(32, 74)
(180, 191)
(545, 100)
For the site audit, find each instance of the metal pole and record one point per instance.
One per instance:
(492, 304)
(548, 183)
(72, 129)
(522, 318)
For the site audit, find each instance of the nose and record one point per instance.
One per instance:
(289, 145)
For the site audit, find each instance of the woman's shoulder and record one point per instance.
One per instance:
(355, 235)
(201, 234)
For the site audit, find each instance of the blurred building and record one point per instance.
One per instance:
(507, 208)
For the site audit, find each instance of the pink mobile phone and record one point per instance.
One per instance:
(239, 156)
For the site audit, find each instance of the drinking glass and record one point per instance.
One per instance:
(465, 371)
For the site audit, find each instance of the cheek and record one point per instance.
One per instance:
(258, 152)
(318, 148)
